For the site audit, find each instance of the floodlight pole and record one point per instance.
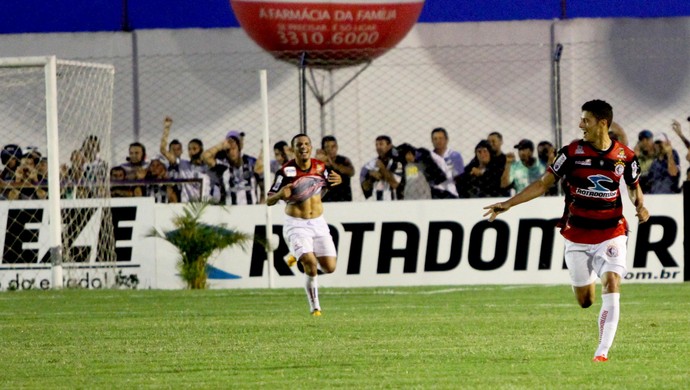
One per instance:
(303, 93)
(556, 71)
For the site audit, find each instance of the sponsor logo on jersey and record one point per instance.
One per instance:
(635, 169)
(279, 181)
(559, 162)
(597, 190)
(290, 171)
(585, 162)
(579, 150)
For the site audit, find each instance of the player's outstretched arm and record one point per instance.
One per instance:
(534, 190)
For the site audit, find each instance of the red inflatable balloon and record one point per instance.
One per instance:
(329, 33)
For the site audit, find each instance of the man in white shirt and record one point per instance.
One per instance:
(453, 165)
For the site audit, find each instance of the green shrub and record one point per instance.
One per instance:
(197, 241)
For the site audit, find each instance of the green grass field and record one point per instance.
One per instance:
(423, 337)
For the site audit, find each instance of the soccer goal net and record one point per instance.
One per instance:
(55, 224)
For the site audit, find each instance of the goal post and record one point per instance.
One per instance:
(55, 120)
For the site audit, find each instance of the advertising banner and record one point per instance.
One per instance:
(438, 242)
(26, 264)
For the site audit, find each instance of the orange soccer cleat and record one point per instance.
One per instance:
(600, 358)
(291, 260)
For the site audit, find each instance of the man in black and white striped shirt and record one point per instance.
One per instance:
(241, 185)
(380, 178)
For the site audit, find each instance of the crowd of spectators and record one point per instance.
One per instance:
(224, 174)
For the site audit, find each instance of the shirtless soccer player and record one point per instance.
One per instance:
(300, 183)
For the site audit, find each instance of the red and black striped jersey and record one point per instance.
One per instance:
(592, 178)
(305, 184)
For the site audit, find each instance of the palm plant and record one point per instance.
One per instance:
(197, 241)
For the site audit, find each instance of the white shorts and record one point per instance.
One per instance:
(308, 235)
(586, 262)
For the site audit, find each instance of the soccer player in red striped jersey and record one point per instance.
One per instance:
(593, 225)
(300, 183)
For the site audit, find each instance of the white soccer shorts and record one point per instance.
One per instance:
(586, 262)
(308, 235)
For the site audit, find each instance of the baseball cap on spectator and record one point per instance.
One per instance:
(33, 152)
(235, 133)
(163, 159)
(9, 151)
(525, 144)
(644, 134)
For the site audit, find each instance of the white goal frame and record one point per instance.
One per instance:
(49, 65)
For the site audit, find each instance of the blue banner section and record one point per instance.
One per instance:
(148, 14)
(40, 16)
(217, 273)
(448, 11)
(37, 16)
(628, 8)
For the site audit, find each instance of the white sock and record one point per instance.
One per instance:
(608, 322)
(312, 289)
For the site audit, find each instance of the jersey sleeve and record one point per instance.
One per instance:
(279, 182)
(561, 165)
(631, 174)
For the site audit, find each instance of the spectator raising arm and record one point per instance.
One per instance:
(164, 150)
(209, 155)
(672, 166)
(677, 129)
